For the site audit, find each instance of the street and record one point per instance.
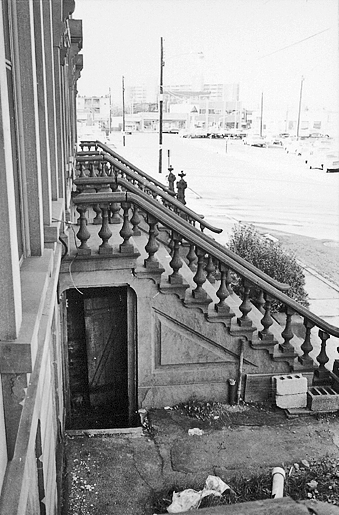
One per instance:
(262, 186)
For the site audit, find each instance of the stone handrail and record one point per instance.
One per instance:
(182, 228)
(97, 144)
(170, 201)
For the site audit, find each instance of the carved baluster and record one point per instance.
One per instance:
(192, 258)
(115, 208)
(266, 321)
(222, 292)
(135, 221)
(199, 277)
(229, 281)
(105, 232)
(152, 244)
(82, 168)
(83, 233)
(287, 333)
(92, 170)
(104, 168)
(307, 346)
(176, 263)
(171, 244)
(246, 306)
(210, 269)
(322, 358)
(260, 302)
(97, 220)
(126, 230)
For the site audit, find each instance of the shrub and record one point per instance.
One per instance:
(270, 258)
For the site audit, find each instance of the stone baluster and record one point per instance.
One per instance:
(135, 221)
(115, 208)
(152, 244)
(267, 320)
(287, 333)
(246, 306)
(210, 269)
(307, 346)
(104, 169)
(126, 230)
(92, 169)
(176, 263)
(82, 168)
(97, 220)
(260, 301)
(222, 292)
(322, 358)
(229, 281)
(105, 232)
(192, 258)
(83, 233)
(199, 278)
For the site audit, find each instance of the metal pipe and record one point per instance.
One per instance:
(241, 365)
(278, 474)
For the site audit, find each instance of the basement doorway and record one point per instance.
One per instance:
(102, 361)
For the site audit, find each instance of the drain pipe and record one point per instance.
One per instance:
(241, 364)
(278, 474)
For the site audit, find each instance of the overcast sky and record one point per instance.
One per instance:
(265, 45)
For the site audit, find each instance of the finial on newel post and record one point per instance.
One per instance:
(171, 178)
(181, 186)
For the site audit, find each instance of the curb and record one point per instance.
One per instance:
(318, 276)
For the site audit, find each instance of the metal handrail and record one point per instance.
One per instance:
(185, 230)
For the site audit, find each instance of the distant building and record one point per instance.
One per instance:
(93, 110)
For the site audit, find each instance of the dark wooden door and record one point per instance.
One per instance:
(107, 351)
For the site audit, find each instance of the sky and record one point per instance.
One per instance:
(266, 46)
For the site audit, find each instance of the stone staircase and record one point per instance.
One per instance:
(199, 330)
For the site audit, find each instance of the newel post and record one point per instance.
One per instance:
(181, 186)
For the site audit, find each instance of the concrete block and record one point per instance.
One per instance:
(290, 384)
(322, 398)
(298, 400)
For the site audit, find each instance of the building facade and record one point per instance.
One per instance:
(39, 67)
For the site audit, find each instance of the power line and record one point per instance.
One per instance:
(293, 44)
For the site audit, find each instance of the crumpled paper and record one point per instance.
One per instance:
(190, 499)
(195, 431)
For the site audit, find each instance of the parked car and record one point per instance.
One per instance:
(320, 156)
(314, 146)
(296, 145)
(273, 140)
(254, 140)
(198, 132)
(331, 163)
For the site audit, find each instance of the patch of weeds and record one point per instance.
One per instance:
(200, 410)
(315, 480)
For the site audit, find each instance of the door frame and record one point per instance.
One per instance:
(132, 354)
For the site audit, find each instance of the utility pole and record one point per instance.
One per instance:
(161, 100)
(123, 111)
(110, 112)
(299, 110)
(261, 112)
